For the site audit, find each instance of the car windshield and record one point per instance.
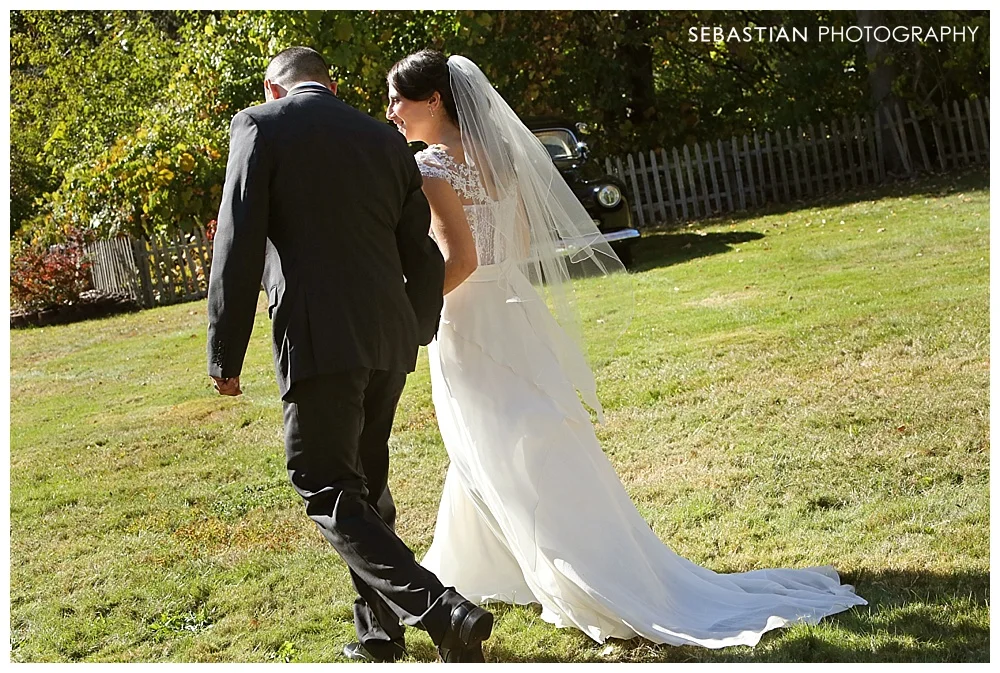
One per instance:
(560, 143)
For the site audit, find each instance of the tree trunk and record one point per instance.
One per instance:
(636, 52)
(881, 75)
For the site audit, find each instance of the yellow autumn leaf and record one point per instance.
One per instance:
(186, 162)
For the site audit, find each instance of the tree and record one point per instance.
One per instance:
(79, 81)
(882, 73)
(121, 118)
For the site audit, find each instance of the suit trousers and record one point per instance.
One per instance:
(336, 448)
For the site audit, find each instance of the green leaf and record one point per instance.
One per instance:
(344, 30)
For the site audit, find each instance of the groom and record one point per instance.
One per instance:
(325, 204)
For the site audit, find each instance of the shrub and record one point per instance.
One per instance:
(44, 276)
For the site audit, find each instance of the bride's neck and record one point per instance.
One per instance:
(444, 134)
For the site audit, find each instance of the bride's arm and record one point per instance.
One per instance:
(522, 231)
(451, 231)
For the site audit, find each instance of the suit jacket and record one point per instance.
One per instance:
(323, 205)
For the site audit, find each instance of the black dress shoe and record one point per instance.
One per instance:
(383, 652)
(470, 626)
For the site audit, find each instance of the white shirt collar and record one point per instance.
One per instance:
(308, 83)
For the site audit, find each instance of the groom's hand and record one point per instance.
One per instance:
(229, 387)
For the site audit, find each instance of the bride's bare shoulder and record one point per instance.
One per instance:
(453, 152)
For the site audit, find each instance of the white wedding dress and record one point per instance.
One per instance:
(532, 510)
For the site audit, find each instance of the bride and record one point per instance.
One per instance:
(532, 511)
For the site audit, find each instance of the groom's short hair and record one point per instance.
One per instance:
(297, 64)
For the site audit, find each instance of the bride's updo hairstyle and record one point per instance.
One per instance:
(419, 75)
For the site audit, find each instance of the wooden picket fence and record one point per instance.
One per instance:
(708, 179)
(152, 272)
(695, 181)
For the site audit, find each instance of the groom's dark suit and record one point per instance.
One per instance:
(325, 204)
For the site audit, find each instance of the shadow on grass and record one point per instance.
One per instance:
(670, 244)
(910, 617)
(657, 249)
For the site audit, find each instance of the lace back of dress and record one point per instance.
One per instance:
(486, 216)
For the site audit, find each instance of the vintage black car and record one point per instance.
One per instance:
(601, 194)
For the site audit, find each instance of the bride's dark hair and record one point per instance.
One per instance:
(419, 75)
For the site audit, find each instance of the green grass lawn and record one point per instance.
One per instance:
(797, 388)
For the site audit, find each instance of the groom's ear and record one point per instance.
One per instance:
(333, 86)
(276, 91)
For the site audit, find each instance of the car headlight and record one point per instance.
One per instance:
(609, 196)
